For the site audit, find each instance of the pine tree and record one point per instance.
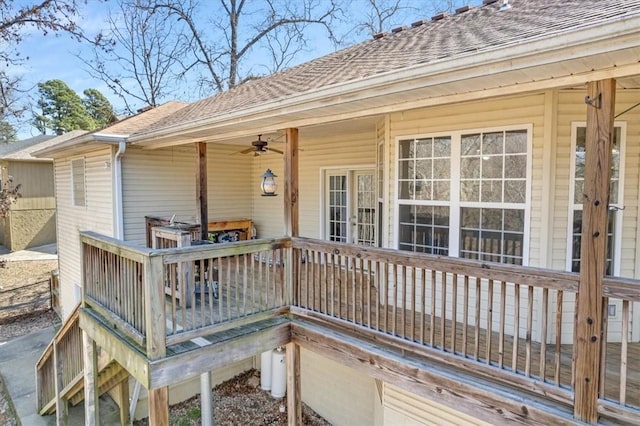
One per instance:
(61, 108)
(98, 107)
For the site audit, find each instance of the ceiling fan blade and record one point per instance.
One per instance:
(274, 150)
(246, 151)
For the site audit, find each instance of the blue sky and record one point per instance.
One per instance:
(55, 57)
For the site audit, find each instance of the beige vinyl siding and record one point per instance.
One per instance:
(402, 408)
(36, 180)
(157, 183)
(162, 183)
(267, 212)
(342, 395)
(488, 114)
(95, 216)
(229, 182)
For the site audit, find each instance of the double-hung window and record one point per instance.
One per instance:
(465, 194)
(578, 140)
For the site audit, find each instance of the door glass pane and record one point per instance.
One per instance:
(365, 214)
(337, 209)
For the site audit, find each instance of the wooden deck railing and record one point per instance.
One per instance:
(215, 284)
(515, 323)
(161, 297)
(60, 366)
(510, 323)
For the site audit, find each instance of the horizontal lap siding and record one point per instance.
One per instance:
(229, 182)
(96, 216)
(36, 180)
(407, 409)
(157, 183)
(341, 395)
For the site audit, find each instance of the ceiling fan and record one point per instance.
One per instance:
(259, 146)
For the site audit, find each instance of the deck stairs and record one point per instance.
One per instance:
(59, 371)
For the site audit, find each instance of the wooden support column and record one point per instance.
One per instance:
(291, 183)
(291, 223)
(156, 334)
(588, 332)
(201, 189)
(91, 393)
(123, 397)
(159, 406)
(294, 394)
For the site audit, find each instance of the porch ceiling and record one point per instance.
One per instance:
(399, 92)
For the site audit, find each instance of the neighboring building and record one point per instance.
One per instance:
(31, 220)
(455, 151)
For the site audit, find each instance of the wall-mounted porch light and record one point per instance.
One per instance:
(268, 184)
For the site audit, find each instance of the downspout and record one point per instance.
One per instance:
(118, 209)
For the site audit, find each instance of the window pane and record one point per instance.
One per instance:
(423, 148)
(405, 149)
(441, 190)
(424, 229)
(442, 147)
(515, 166)
(470, 145)
(515, 142)
(499, 238)
(491, 191)
(470, 190)
(577, 240)
(515, 191)
(492, 167)
(470, 167)
(492, 143)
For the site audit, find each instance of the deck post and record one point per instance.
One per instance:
(155, 323)
(206, 399)
(201, 189)
(588, 328)
(123, 396)
(291, 222)
(91, 393)
(159, 406)
(62, 407)
(294, 396)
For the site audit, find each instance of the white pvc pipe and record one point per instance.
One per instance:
(206, 399)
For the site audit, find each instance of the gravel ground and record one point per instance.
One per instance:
(239, 401)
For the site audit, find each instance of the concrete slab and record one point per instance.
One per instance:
(46, 252)
(18, 358)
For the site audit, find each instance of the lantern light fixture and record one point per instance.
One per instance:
(268, 184)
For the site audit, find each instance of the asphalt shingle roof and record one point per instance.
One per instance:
(476, 30)
(22, 150)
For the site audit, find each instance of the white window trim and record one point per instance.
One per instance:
(617, 232)
(73, 189)
(456, 205)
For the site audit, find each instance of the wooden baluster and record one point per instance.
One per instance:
(489, 321)
(503, 299)
(476, 346)
(465, 315)
(544, 335)
(558, 336)
(527, 367)
(516, 329)
(623, 353)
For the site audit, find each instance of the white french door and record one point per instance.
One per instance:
(350, 206)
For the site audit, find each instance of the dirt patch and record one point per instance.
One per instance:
(24, 288)
(239, 401)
